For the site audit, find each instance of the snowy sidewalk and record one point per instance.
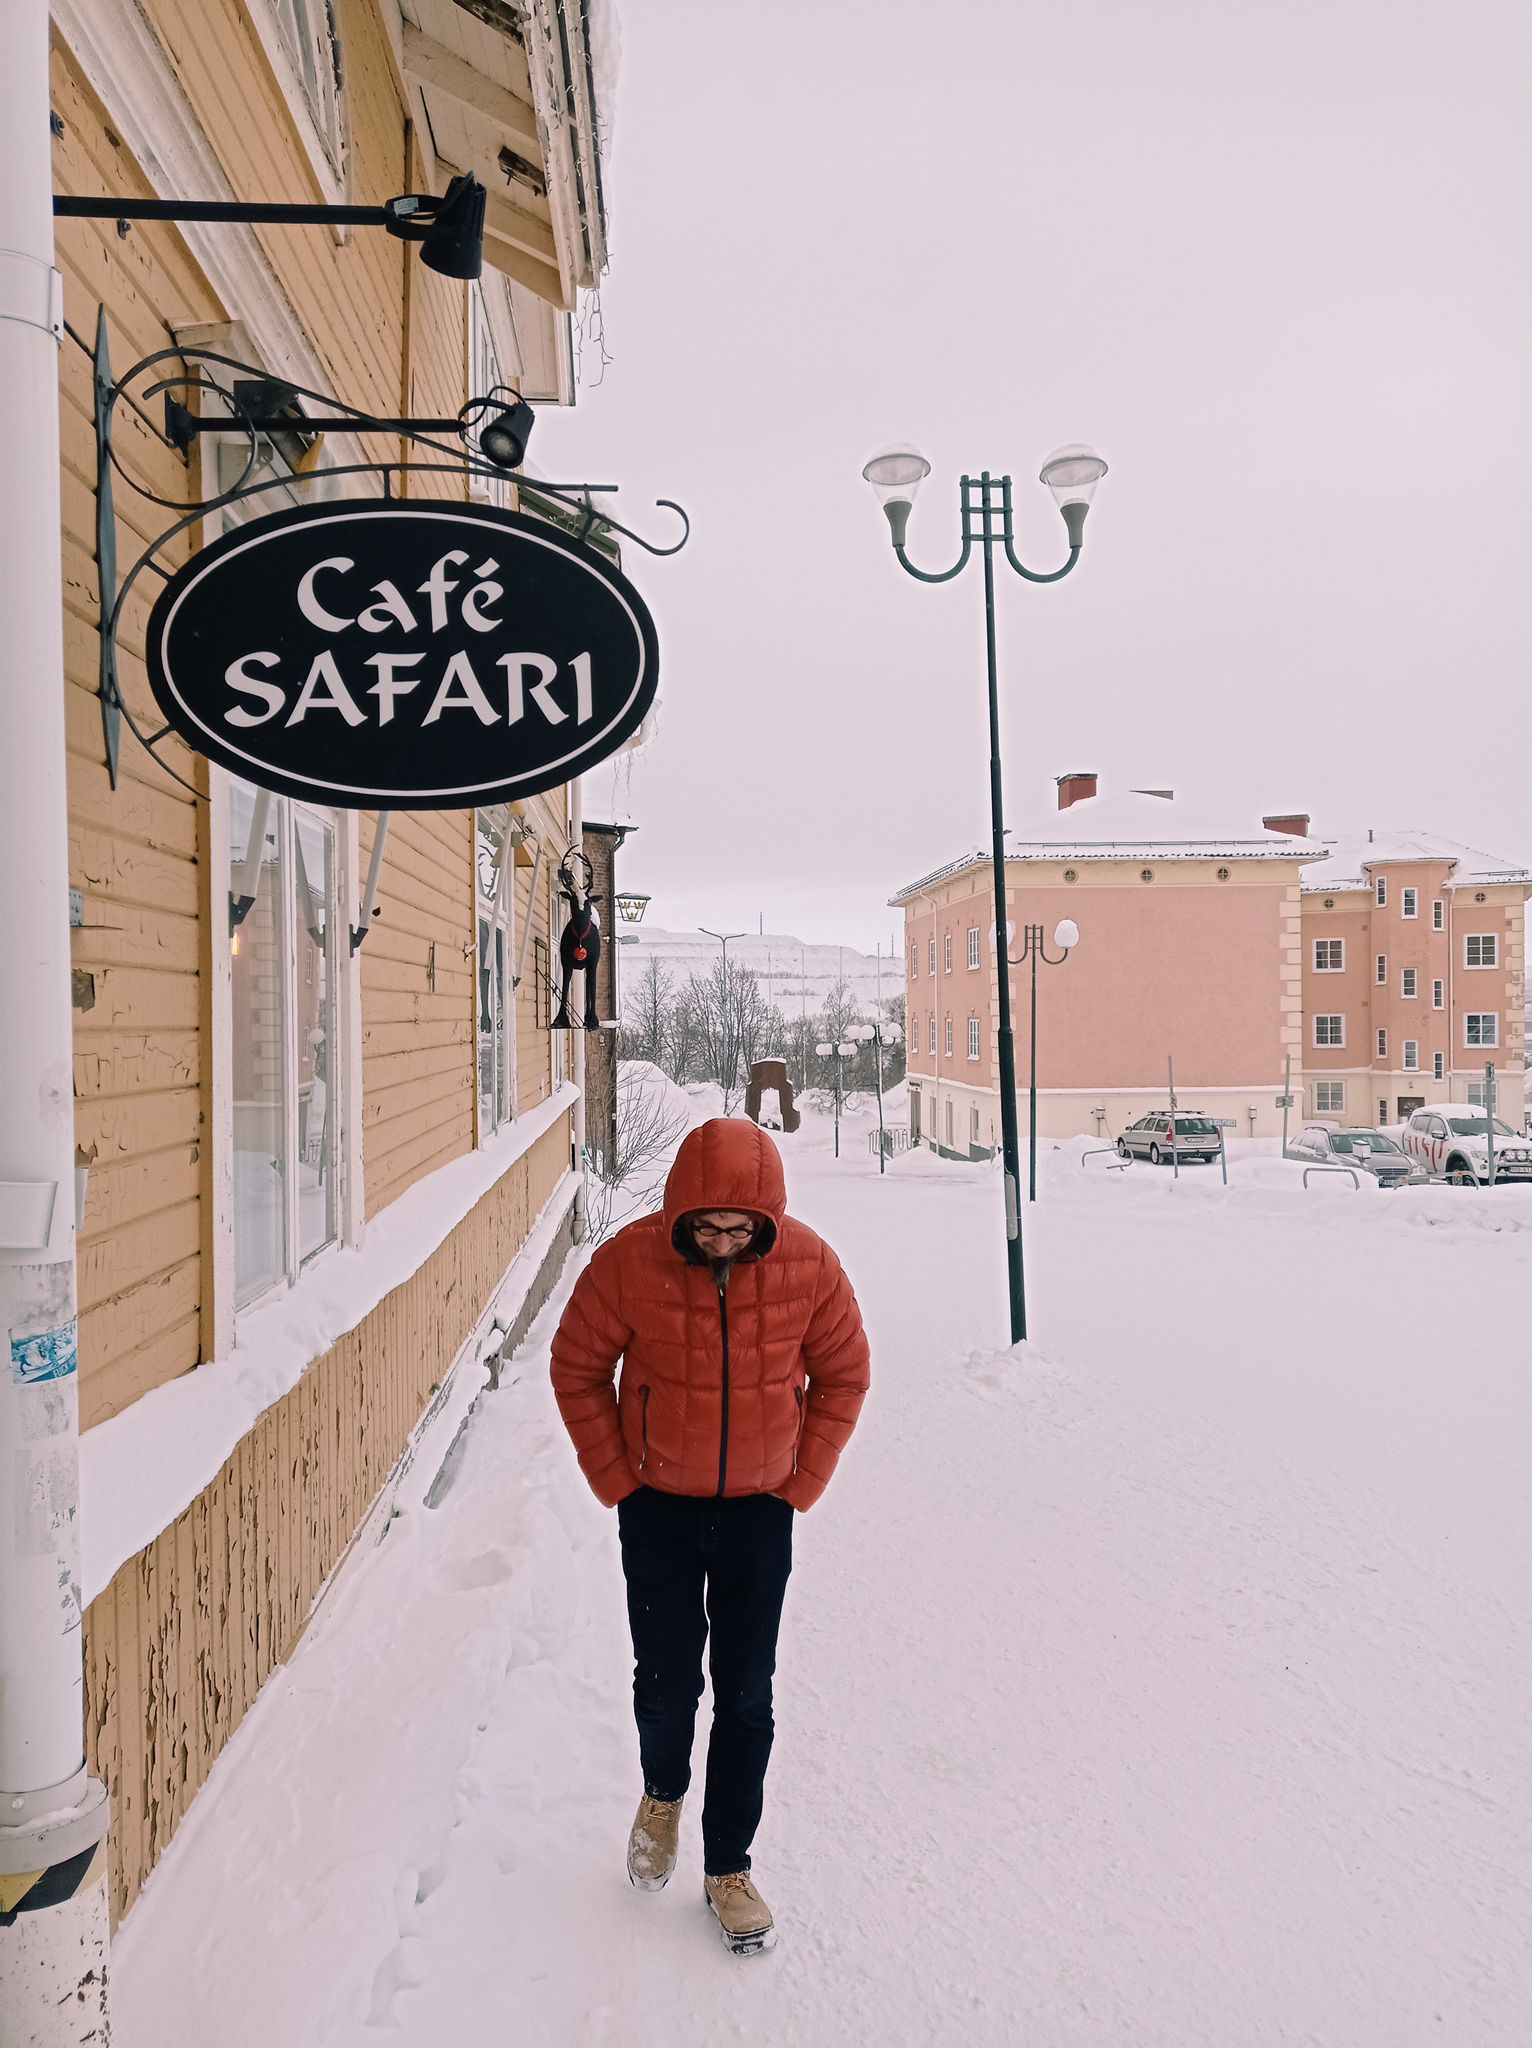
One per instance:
(1161, 1684)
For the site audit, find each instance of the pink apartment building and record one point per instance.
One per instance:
(1220, 947)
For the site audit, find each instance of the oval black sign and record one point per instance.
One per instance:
(402, 656)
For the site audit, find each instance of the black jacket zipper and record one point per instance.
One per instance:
(643, 1461)
(723, 1427)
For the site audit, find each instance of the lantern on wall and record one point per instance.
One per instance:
(631, 906)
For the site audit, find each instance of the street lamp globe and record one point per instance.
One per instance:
(1066, 933)
(823, 1051)
(896, 474)
(846, 1050)
(1072, 474)
(861, 1032)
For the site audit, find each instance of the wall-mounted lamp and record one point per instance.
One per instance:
(265, 405)
(631, 905)
(449, 229)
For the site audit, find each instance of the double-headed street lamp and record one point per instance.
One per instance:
(844, 1051)
(729, 1047)
(1066, 936)
(1072, 475)
(878, 1035)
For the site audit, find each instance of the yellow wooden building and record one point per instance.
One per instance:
(318, 1178)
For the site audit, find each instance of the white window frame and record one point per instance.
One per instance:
(1438, 1066)
(1476, 1095)
(946, 952)
(1482, 1018)
(347, 1082)
(497, 908)
(1438, 995)
(1409, 984)
(1335, 1017)
(973, 945)
(1412, 1056)
(301, 40)
(947, 1036)
(1327, 965)
(1438, 915)
(1409, 903)
(1382, 1052)
(973, 1038)
(931, 958)
(932, 1035)
(1380, 970)
(1481, 940)
(1380, 892)
(1329, 1098)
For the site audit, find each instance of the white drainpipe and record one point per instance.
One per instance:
(53, 1817)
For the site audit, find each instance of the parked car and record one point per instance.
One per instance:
(1196, 1137)
(1451, 1141)
(1365, 1150)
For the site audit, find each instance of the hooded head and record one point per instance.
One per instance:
(726, 1163)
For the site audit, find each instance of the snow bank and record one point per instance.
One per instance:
(142, 1468)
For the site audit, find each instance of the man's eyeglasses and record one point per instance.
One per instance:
(717, 1231)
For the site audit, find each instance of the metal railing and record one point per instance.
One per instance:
(1116, 1157)
(1348, 1170)
(895, 1139)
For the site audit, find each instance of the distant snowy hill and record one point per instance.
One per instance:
(789, 971)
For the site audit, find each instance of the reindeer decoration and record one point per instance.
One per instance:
(579, 942)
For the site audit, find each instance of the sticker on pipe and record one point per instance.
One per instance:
(377, 655)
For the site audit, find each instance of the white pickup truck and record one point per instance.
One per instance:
(1451, 1141)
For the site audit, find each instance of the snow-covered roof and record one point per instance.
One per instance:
(1127, 825)
(1349, 863)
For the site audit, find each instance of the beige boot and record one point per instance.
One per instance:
(741, 1912)
(652, 1843)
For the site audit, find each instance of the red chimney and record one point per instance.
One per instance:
(1073, 787)
(1295, 822)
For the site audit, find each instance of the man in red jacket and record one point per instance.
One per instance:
(744, 1367)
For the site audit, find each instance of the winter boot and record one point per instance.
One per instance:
(742, 1914)
(652, 1843)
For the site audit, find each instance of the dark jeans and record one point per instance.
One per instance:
(693, 1565)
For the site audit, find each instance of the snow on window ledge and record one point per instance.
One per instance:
(142, 1468)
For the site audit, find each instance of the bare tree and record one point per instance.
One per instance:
(648, 1014)
(627, 1183)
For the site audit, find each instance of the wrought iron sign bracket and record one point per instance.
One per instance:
(241, 386)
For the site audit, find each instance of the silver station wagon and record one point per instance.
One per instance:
(1196, 1137)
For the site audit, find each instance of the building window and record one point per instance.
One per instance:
(1382, 969)
(1476, 1094)
(1407, 986)
(1481, 949)
(1438, 1066)
(1481, 1027)
(931, 956)
(287, 1097)
(1329, 956)
(1329, 1030)
(1438, 995)
(1382, 1109)
(1438, 915)
(932, 1034)
(1382, 1045)
(1409, 903)
(946, 952)
(973, 1128)
(305, 54)
(1329, 1098)
(1412, 1056)
(495, 863)
(1381, 891)
(947, 1036)
(973, 1038)
(947, 1120)
(973, 945)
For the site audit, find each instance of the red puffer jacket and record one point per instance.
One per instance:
(751, 1386)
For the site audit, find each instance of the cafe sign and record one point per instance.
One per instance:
(378, 655)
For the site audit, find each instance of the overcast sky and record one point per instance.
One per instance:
(1270, 259)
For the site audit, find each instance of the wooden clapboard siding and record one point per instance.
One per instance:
(182, 1640)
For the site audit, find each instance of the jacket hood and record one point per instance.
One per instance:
(727, 1163)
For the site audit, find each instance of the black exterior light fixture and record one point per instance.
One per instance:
(264, 405)
(631, 905)
(449, 229)
(1072, 474)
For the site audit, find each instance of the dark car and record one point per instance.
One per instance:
(1366, 1150)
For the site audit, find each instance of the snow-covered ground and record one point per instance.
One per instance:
(1161, 1683)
